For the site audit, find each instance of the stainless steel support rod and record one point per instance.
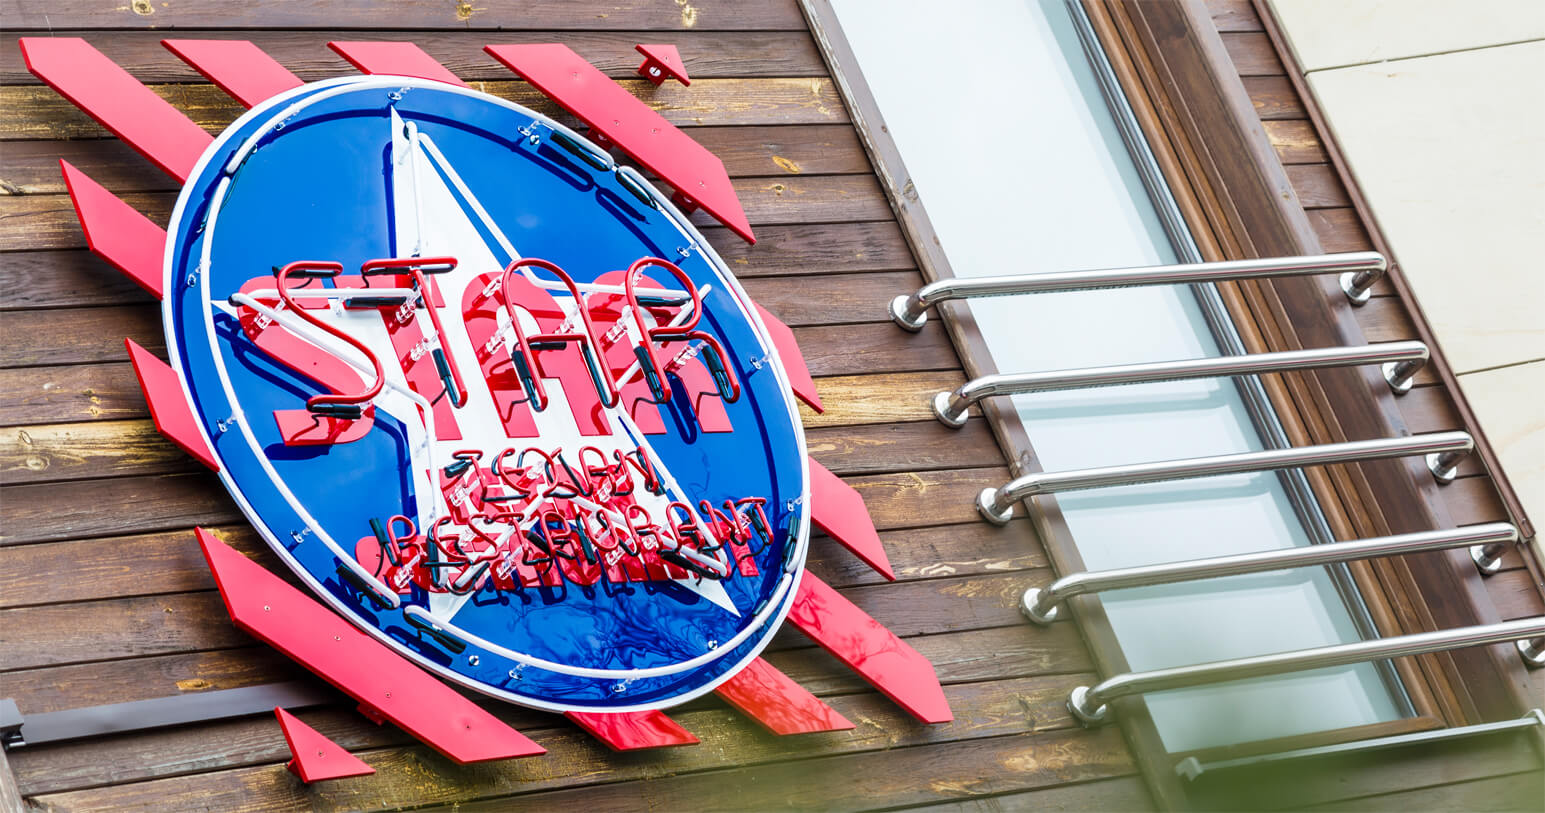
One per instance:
(1400, 360)
(1089, 704)
(1366, 267)
(1043, 605)
(1443, 451)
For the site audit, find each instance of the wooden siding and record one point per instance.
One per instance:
(104, 597)
(1459, 781)
(1429, 407)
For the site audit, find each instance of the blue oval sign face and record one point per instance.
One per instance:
(491, 396)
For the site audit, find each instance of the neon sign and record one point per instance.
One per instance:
(488, 394)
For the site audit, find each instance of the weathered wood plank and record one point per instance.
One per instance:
(59, 634)
(1515, 594)
(78, 392)
(40, 512)
(32, 338)
(52, 634)
(31, 112)
(1127, 794)
(1386, 320)
(1252, 53)
(10, 794)
(1234, 15)
(1430, 409)
(873, 348)
(35, 338)
(48, 221)
(1339, 230)
(879, 398)
(1514, 792)
(1472, 500)
(707, 54)
(834, 299)
(982, 711)
(431, 14)
(170, 562)
(1317, 186)
(109, 391)
(1295, 142)
(71, 277)
(32, 167)
(860, 782)
(61, 453)
(1274, 98)
(682, 776)
(158, 625)
(969, 656)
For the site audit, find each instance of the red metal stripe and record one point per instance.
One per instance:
(633, 730)
(395, 58)
(856, 639)
(840, 511)
(386, 686)
(110, 95)
(615, 116)
(116, 231)
(782, 706)
(315, 757)
(237, 66)
(793, 359)
(168, 407)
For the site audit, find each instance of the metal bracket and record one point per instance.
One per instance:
(17, 730)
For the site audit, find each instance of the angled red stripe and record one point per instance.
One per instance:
(618, 117)
(387, 686)
(394, 58)
(840, 511)
(633, 730)
(793, 359)
(116, 231)
(168, 408)
(662, 62)
(237, 66)
(782, 706)
(887, 662)
(110, 95)
(314, 756)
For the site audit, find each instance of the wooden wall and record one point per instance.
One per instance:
(104, 597)
(1429, 407)
(1509, 778)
